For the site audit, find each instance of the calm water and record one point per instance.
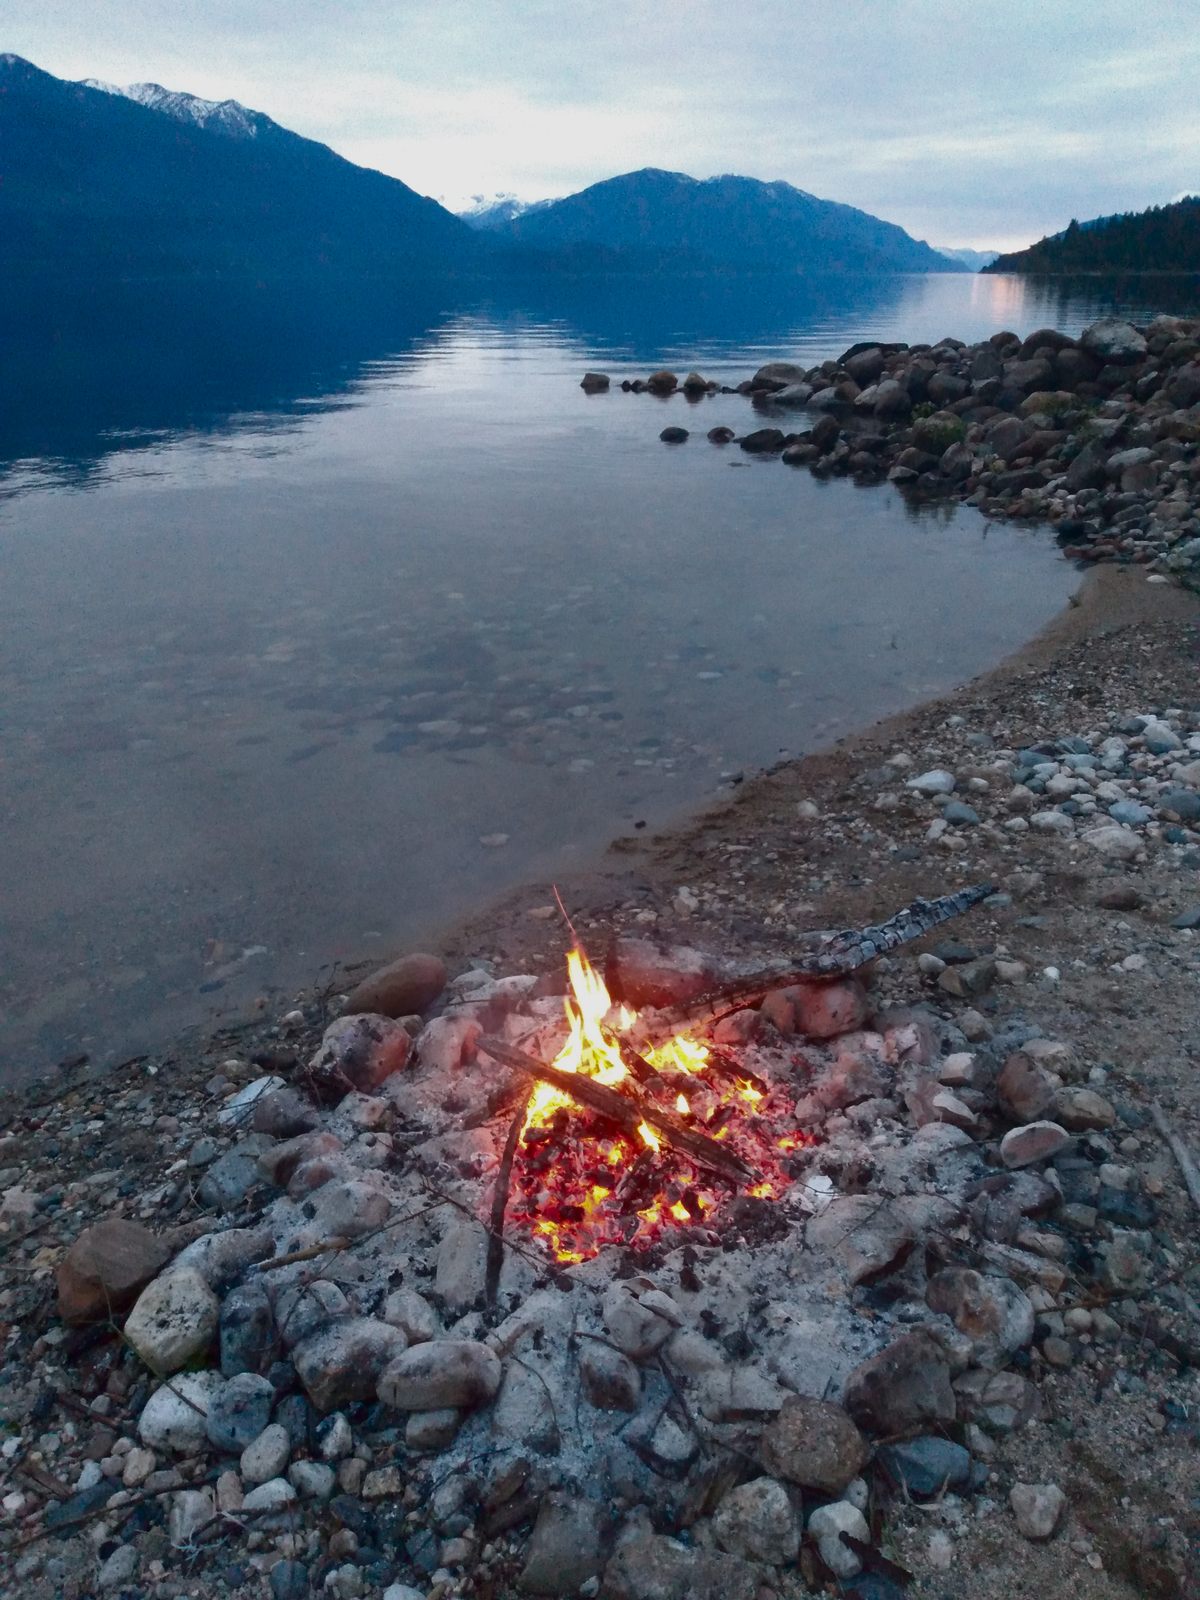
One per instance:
(323, 617)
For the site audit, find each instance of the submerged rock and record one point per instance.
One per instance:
(402, 988)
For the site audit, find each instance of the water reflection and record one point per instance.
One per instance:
(105, 368)
(100, 369)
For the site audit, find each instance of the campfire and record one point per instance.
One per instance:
(643, 1124)
(681, 1129)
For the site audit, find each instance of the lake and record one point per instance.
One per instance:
(327, 614)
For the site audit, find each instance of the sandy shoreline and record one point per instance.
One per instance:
(648, 866)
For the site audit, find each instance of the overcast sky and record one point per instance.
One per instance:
(969, 122)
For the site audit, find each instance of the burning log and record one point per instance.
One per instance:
(840, 954)
(628, 1111)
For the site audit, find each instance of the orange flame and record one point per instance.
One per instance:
(579, 1194)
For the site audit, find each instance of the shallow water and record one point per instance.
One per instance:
(324, 617)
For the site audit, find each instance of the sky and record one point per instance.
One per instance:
(969, 123)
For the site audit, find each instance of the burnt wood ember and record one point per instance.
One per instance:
(628, 1110)
(838, 956)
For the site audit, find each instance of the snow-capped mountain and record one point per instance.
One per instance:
(488, 211)
(224, 116)
(149, 180)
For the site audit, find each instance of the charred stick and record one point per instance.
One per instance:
(840, 955)
(628, 1111)
(495, 1250)
(647, 1075)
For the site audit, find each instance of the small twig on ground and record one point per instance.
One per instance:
(105, 1509)
(309, 1254)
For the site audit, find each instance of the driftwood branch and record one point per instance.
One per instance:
(841, 954)
(628, 1111)
(1187, 1165)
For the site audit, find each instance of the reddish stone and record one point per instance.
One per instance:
(779, 1012)
(903, 1390)
(1024, 1091)
(824, 1010)
(106, 1269)
(279, 1162)
(813, 1443)
(641, 973)
(358, 1052)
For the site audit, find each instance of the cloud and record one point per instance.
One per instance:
(992, 124)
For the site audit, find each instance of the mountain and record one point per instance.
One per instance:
(973, 260)
(660, 217)
(145, 181)
(489, 212)
(1162, 239)
(229, 117)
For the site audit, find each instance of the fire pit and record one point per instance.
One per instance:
(658, 1257)
(637, 1127)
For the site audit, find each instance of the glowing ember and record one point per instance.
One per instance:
(580, 1183)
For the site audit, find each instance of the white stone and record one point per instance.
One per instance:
(936, 781)
(858, 1494)
(229, 1492)
(312, 1480)
(636, 1327)
(1052, 822)
(1114, 842)
(174, 1416)
(941, 1551)
(120, 1569)
(958, 1070)
(336, 1438)
(758, 1522)
(137, 1466)
(461, 1264)
(413, 1315)
(826, 1524)
(174, 1319)
(446, 1042)
(274, 1495)
(267, 1456)
(1038, 1508)
(445, 1373)
(190, 1510)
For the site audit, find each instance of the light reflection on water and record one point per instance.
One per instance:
(306, 595)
